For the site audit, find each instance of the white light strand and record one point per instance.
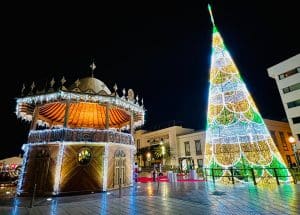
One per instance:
(21, 176)
(58, 168)
(46, 132)
(105, 166)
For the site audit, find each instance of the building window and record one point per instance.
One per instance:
(293, 104)
(291, 88)
(200, 163)
(198, 147)
(283, 141)
(296, 120)
(84, 156)
(289, 73)
(274, 137)
(187, 148)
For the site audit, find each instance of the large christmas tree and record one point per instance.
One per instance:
(237, 139)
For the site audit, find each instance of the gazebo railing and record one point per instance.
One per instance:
(79, 135)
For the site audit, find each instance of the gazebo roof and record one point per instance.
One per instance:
(88, 98)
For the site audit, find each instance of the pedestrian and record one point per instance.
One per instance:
(154, 175)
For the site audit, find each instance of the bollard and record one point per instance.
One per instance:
(232, 177)
(294, 177)
(120, 190)
(253, 176)
(33, 195)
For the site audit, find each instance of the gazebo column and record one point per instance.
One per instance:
(35, 116)
(131, 124)
(107, 116)
(67, 110)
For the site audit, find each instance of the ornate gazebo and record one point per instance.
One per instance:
(80, 138)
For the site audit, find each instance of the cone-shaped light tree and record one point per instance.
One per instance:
(237, 139)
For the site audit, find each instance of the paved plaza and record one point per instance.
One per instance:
(168, 198)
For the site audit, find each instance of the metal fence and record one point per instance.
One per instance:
(248, 174)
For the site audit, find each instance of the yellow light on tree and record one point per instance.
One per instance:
(236, 137)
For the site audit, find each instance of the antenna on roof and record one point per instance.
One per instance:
(93, 67)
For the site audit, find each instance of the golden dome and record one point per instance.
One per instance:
(90, 85)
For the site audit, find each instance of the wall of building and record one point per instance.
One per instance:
(280, 132)
(165, 136)
(194, 155)
(287, 83)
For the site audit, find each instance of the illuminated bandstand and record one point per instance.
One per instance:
(80, 138)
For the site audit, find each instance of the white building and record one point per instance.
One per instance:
(287, 77)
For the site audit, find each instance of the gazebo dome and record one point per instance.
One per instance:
(90, 85)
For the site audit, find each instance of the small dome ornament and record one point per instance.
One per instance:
(32, 86)
(130, 96)
(22, 91)
(77, 82)
(137, 99)
(52, 82)
(63, 81)
(124, 93)
(115, 87)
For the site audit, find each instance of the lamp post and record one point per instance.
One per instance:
(163, 151)
(149, 158)
(292, 140)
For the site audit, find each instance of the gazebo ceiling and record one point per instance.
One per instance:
(83, 114)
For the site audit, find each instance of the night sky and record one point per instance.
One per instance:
(161, 51)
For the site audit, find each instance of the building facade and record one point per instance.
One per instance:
(187, 145)
(287, 77)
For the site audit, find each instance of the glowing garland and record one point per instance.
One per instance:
(25, 148)
(58, 168)
(79, 134)
(105, 167)
(236, 135)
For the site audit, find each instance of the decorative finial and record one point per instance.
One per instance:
(32, 85)
(52, 82)
(115, 87)
(211, 14)
(93, 67)
(123, 91)
(77, 82)
(62, 81)
(23, 88)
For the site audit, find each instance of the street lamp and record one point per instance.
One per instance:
(292, 140)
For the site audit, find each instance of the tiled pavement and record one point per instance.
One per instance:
(169, 198)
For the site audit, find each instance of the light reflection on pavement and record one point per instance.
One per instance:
(170, 198)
